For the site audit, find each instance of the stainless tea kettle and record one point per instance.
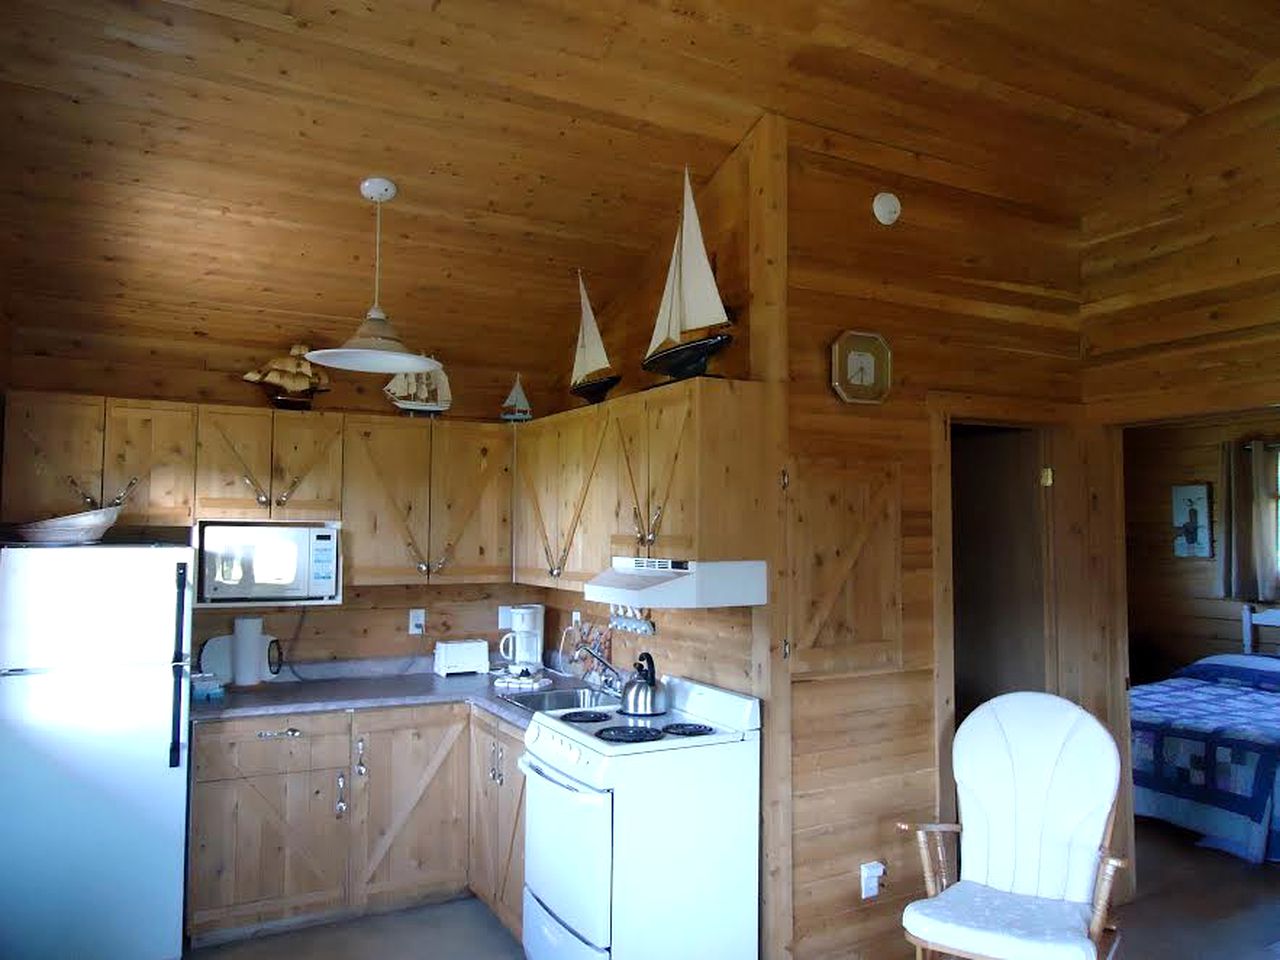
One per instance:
(644, 695)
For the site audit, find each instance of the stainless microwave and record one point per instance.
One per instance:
(268, 564)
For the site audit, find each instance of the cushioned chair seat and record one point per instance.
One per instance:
(1004, 926)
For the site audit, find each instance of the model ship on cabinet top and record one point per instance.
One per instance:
(516, 406)
(593, 377)
(690, 305)
(420, 394)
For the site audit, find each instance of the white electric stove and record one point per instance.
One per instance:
(642, 834)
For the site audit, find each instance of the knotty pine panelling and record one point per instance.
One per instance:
(373, 621)
(1181, 271)
(1177, 609)
(973, 293)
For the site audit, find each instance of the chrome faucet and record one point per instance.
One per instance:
(618, 680)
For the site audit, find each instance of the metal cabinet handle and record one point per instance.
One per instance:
(653, 527)
(292, 733)
(637, 521)
(340, 807)
(502, 777)
(361, 769)
(259, 494)
(493, 761)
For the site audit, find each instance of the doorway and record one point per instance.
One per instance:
(998, 539)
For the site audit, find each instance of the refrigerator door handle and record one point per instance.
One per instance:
(179, 666)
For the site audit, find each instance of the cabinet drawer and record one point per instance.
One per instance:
(284, 743)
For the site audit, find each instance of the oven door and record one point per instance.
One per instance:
(568, 851)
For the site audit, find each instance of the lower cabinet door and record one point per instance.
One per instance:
(509, 895)
(409, 804)
(482, 871)
(265, 848)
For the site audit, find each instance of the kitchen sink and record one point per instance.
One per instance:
(563, 699)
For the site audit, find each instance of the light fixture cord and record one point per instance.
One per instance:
(377, 253)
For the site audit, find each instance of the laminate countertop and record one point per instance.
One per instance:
(360, 693)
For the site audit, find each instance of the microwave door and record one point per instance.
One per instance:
(259, 562)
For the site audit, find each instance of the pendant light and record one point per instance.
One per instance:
(375, 347)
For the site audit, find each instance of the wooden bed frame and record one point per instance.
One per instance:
(1251, 618)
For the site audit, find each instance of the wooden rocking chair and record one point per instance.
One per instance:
(1036, 777)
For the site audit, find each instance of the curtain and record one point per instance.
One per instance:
(1249, 547)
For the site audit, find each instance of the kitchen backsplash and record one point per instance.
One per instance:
(373, 621)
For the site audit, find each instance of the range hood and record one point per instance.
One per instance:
(648, 583)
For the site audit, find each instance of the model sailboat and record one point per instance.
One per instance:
(690, 303)
(592, 377)
(420, 393)
(516, 406)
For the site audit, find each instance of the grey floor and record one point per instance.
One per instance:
(1196, 904)
(459, 930)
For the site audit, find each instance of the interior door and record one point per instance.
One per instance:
(150, 461)
(306, 465)
(385, 500)
(471, 502)
(53, 445)
(233, 463)
(410, 804)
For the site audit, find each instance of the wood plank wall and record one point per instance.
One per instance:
(373, 621)
(1177, 609)
(1181, 271)
(974, 293)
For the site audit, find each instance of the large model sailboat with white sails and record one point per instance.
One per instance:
(593, 377)
(690, 304)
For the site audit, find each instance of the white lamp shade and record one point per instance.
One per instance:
(375, 348)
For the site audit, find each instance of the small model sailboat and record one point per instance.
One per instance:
(592, 377)
(690, 302)
(420, 393)
(291, 381)
(516, 406)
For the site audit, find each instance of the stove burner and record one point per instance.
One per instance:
(629, 734)
(584, 716)
(687, 729)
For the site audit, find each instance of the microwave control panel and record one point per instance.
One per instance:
(324, 564)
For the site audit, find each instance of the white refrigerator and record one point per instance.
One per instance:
(94, 645)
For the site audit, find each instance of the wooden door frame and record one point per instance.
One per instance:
(944, 409)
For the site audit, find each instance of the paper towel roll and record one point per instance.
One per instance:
(248, 652)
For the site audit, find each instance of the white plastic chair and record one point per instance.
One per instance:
(1036, 777)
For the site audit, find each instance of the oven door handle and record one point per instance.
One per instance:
(529, 768)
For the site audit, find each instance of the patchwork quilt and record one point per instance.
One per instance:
(1206, 752)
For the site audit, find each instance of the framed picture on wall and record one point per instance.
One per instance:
(1192, 536)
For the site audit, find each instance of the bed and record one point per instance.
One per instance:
(1206, 748)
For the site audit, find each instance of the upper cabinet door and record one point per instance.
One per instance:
(52, 455)
(306, 466)
(233, 463)
(471, 502)
(536, 503)
(150, 461)
(672, 500)
(385, 500)
(620, 491)
(583, 540)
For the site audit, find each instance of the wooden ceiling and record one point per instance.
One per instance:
(187, 171)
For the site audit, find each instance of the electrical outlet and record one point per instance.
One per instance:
(577, 617)
(417, 622)
(871, 874)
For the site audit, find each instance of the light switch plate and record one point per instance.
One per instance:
(871, 874)
(417, 622)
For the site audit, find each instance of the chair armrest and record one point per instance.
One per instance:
(1108, 866)
(934, 842)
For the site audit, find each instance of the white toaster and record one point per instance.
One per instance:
(461, 656)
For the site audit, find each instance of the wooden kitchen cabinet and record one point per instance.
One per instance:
(386, 500)
(269, 827)
(150, 461)
(306, 465)
(471, 502)
(496, 857)
(558, 542)
(233, 463)
(53, 452)
(409, 837)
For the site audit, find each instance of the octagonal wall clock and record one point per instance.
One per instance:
(861, 367)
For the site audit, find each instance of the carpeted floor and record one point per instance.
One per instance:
(1196, 904)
